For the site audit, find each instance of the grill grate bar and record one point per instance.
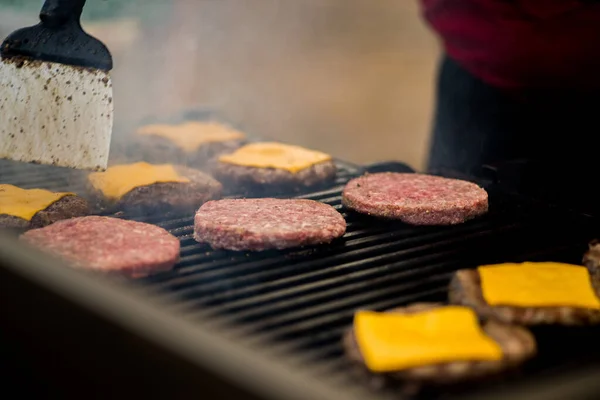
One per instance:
(328, 315)
(338, 286)
(282, 338)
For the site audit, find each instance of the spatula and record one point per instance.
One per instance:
(56, 103)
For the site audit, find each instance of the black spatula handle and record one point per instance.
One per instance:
(59, 38)
(60, 12)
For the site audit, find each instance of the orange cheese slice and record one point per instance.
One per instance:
(275, 155)
(25, 203)
(119, 180)
(190, 136)
(543, 284)
(394, 342)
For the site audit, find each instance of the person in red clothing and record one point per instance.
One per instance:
(520, 79)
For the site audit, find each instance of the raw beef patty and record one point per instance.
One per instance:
(109, 245)
(261, 224)
(415, 198)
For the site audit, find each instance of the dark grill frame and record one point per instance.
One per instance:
(297, 303)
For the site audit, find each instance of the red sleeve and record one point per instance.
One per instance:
(521, 43)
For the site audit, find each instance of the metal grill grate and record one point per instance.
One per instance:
(302, 300)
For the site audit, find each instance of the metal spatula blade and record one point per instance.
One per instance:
(56, 103)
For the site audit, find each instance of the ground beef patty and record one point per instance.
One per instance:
(251, 178)
(517, 345)
(261, 224)
(108, 245)
(150, 145)
(465, 289)
(415, 198)
(66, 207)
(274, 167)
(163, 196)
(591, 259)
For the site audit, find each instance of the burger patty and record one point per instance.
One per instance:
(108, 245)
(252, 178)
(66, 207)
(160, 150)
(261, 224)
(164, 196)
(517, 345)
(591, 259)
(415, 199)
(465, 289)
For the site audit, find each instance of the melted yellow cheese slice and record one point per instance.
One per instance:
(119, 180)
(394, 342)
(275, 155)
(190, 136)
(544, 284)
(25, 203)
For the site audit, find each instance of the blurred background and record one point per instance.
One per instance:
(351, 77)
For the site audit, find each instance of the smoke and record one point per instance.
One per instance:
(351, 77)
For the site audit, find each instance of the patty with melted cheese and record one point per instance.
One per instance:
(192, 143)
(143, 187)
(530, 293)
(36, 208)
(430, 343)
(271, 165)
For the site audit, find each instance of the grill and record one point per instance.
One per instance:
(299, 302)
